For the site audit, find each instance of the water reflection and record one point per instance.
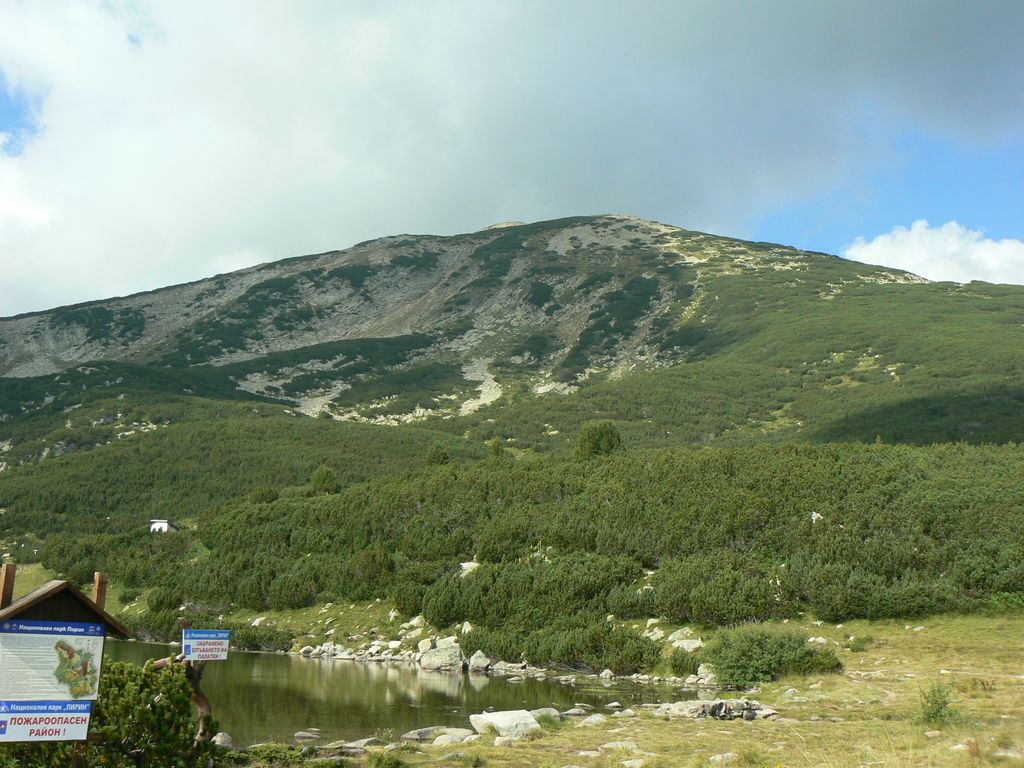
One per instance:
(268, 697)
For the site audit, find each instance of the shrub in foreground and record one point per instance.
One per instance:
(744, 657)
(936, 705)
(140, 711)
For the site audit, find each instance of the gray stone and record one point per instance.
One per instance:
(625, 713)
(717, 709)
(363, 743)
(448, 739)
(613, 705)
(706, 674)
(680, 634)
(516, 723)
(479, 662)
(725, 757)
(546, 712)
(306, 650)
(575, 712)
(305, 736)
(688, 645)
(607, 674)
(592, 720)
(636, 762)
(443, 657)
(223, 740)
(423, 735)
(425, 645)
(505, 741)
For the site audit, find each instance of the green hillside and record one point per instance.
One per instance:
(705, 536)
(801, 432)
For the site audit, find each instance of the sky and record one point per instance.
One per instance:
(144, 144)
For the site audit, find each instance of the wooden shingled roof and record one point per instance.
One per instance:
(60, 600)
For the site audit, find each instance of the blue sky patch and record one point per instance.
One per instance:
(935, 179)
(18, 111)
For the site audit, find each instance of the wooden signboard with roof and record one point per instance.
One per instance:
(51, 656)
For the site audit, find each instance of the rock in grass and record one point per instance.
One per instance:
(423, 735)
(615, 746)
(449, 736)
(363, 743)
(447, 740)
(516, 723)
(592, 720)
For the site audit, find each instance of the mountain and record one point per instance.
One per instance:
(776, 409)
(411, 328)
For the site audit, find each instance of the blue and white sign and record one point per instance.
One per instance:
(44, 720)
(205, 644)
(50, 660)
(49, 678)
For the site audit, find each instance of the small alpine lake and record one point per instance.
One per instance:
(266, 697)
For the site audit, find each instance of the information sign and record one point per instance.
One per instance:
(205, 644)
(50, 660)
(49, 677)
(44, 720)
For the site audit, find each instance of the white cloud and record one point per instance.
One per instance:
(177, 138)
(950, 252)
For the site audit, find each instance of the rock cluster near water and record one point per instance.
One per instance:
(716, 709)
(510, 726)
(444, 654)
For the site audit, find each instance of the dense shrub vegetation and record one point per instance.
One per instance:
(745, 657)
(732, 535)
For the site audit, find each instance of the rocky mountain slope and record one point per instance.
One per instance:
(524, 330)
(558, 303)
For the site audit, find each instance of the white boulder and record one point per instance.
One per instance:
(447, 657)
(515, 723)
